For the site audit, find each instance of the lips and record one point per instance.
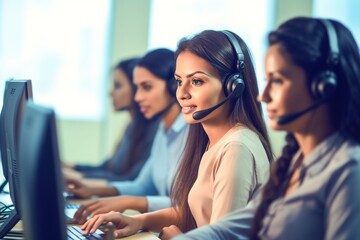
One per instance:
(271, 114)
(144, 109)
(187, 109)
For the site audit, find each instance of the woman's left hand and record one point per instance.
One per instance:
(169, 232)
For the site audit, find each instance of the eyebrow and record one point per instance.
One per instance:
(143, 82)
(281, 72)
(192, 74)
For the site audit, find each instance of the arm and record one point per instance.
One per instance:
(234, 180)
(343, 204)
(155, 221)
(235, 225)
(141, 186)
(104, 205)
(78, 188)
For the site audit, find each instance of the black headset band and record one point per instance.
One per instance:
(235, 44)
(333, 56)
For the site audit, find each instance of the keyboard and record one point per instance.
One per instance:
(70, 210)
(75, 233)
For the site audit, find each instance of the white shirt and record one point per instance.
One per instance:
(155, 179)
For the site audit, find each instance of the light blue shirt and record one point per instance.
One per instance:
(155, 179)
(325, 206)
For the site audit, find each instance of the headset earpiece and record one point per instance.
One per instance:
(324, 84)
(234, 83)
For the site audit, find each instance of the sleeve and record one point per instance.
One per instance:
(343, 204)
(90, 168)
(143, 185)
(233, 183)
(158, 202)
(235, 225)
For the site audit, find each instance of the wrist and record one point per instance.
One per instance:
(103, 191)
(141, 221)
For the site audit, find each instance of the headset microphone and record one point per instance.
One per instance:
(291, 117)
(239, 88)
(203, 113)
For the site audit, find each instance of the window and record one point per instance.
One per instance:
(346, 12)
(172, 20)
(61, 45)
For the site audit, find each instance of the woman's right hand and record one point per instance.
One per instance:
(124, 225)
(102, 205)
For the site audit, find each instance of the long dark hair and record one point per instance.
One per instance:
(306, 41)
(142, 124)
(214, 47)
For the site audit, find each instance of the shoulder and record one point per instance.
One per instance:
(345, 163)
(348, 153)
(240, 134)
(243, 139)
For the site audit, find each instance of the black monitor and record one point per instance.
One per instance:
(16, 94)
(41, 180)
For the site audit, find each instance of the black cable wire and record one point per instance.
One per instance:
(5, 211)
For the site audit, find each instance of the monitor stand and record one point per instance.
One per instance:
(9, 223)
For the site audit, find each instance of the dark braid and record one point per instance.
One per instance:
(273, 188)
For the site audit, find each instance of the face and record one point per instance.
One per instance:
(286, 90)
(199, 87)
(151, 94)
(122, 95)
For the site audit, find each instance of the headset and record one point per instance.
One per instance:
(324, 84)
(234, 84)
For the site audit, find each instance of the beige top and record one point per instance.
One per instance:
(229, 173)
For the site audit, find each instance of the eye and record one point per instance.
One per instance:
(275, 81)
(117, 85)
(178, 82)
(147, 87)
(197, 82)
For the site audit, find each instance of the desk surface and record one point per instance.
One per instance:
(141, 235)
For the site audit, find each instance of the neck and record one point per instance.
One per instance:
(215, 130)
(170, 115)
(315, 133)
(132, 112)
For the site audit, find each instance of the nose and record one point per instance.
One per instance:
(264, 96)
(138, 96)
(182, 93)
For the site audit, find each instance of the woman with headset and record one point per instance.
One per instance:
(227, 153)
(312, 91)
(156, 86)
(134, 148)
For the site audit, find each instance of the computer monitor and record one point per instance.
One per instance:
(16, 94)
(41, 180)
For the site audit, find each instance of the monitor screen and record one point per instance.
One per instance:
(41, 180)
(16, 94)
